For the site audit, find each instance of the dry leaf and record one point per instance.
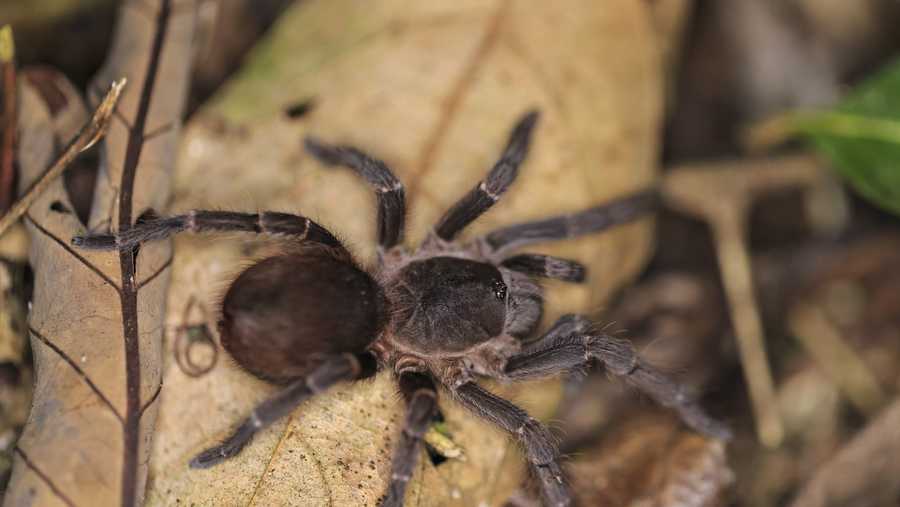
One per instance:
(96, 320)
(650, 461)
(432, 88)
(12, 316)
(865, 472)
(37, 11)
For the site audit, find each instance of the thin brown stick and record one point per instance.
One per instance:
(721, 194)
(92, 131)
(737, 278)
(7, 148)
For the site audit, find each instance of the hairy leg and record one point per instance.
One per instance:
(589, 221)
(266, 222)
(546, 266)
(421, 408)
(388, 189)
(540, 447)
(330, 372)
(564, 326)
(489, 190)
(563, 352)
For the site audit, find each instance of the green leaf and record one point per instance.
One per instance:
(861, 137)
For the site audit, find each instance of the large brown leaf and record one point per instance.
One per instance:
(433, 88)
(96, 317)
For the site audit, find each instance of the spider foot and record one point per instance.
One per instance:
(96, 242)
(708, 426)
(394, 497)
(215, 455)
(556, 491)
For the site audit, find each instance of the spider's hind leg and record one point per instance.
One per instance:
(330, 372)
(558, 352)
(266, 222)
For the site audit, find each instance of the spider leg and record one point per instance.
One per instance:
(332, 371)
(421, 408)
(539, 445)
(388, 189)
(268, 222)
(489, 190)
(546, 266)
(564, 326)
(589, 221)
(561, 352)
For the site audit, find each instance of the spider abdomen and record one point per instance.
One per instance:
(286, 313)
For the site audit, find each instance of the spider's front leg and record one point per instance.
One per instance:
(590, 221)
(546, 266)
(388, 189)
(560, 351)
(493, 186)
(330, 372)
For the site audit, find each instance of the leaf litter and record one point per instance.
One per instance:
(436, 104)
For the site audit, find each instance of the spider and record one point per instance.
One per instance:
(441, 315)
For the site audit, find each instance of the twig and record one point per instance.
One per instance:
(722, 197)
(92, 131)
(7, 148)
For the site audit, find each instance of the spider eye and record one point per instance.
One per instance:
(499, 290)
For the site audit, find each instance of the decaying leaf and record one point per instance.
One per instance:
(15, 375)
(96, 318)
(12, 316)
(33, 13)
(432, 88)
(650, 461)
(865, 472)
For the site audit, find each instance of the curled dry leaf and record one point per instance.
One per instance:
(651, 461)
(865, 472)
(432, 88)
(96, 318)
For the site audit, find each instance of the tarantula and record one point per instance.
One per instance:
(444, 314)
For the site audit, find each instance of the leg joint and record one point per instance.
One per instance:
(539, 443)
(616, 354)
(400, 477)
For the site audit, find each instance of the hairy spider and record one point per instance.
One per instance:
(444, 314)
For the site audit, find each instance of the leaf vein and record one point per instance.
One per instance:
(155, 274)
(152, 399)
(53, 487)
(84, 376)
(452, 102)
(97, 271)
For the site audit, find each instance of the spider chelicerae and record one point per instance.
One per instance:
(441, 315)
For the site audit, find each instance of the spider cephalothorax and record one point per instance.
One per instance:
(443, 314)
